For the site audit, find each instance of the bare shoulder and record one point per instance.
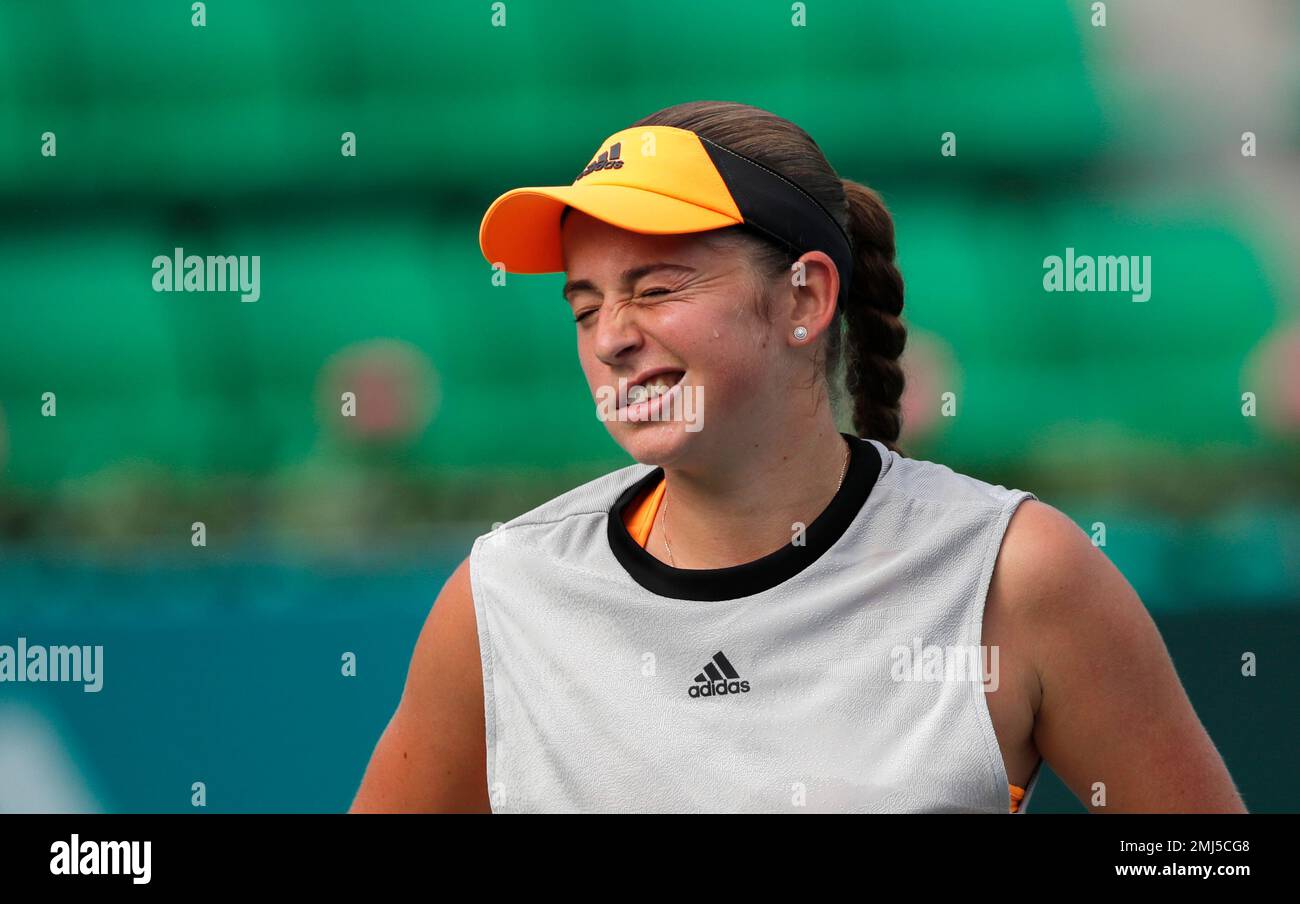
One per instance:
(1112, 717)
(1043, 553)
(432, 755)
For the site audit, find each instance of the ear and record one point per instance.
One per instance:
(814, 287)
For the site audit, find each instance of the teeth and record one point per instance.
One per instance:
(656, 385)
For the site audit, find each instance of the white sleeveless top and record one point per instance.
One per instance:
(841, 673)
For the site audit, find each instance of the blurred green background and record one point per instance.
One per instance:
(328, 534)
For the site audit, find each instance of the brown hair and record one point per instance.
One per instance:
(869, 326)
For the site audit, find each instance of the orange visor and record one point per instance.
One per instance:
(661, 180)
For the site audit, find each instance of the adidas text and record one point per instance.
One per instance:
(718, 688)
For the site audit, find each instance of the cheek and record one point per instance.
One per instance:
(729, 356)
(592, 367)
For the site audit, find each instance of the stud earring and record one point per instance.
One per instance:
(801, 333)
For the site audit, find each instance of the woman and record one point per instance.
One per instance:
(764, 613)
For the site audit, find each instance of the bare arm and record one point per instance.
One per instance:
(432, 756)
(1112, 708)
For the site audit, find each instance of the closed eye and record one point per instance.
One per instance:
(648, 293)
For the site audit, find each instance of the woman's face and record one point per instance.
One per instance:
(670, 311)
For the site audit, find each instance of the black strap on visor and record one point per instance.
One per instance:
(780, 209)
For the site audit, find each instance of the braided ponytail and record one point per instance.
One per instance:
(875, 333)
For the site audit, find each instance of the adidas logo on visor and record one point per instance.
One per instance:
(718, 679)
(607, 160)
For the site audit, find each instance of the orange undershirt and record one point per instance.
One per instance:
(640, 516)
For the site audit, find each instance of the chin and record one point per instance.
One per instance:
(658, 443)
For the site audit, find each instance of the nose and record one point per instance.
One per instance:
(616, 333)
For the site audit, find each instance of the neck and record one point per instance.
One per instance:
(738, 502)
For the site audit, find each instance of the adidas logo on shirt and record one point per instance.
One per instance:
(718, 679)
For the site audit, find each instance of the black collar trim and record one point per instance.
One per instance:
(749, 578)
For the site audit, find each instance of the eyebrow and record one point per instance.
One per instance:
(629, 276)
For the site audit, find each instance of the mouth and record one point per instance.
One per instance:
(653, 383)
(646, 393)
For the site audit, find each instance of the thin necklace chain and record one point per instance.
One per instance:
(663, 514)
